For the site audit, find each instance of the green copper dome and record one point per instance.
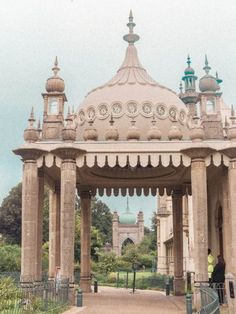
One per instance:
(127, 218)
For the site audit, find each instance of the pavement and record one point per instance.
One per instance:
(122, 301)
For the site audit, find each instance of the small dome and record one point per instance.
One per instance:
(90, 133)
(154, 134)
(55, 83)
(133, 132)
(189, 70)
(69, 132)
(112, 132)
(208, 83)
(31, 134)
(196, 132)
(175, 133)
(127, 219)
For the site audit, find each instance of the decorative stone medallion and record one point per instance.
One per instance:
(161, 110)
(147, 109)
(172, 113)
(91, 113)
(182, 117)
(103, 111)
(132, 108)
(81, 117)
(117, 109)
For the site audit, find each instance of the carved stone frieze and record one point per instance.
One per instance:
(198, 152)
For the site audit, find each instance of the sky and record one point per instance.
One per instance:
(86, 35)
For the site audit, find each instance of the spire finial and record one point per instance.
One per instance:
(127, 206)
(206, 67)
(56, 69)
(131, 38)
(181, 87)
(188, 60)
(32, 114)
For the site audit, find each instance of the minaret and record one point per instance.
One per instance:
(210, 104)
(54, 99)
(190, 96)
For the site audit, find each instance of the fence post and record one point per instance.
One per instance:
(189, 306)
(167, 286)
(95, 286)
(127, 279)
(79, 302)
(189, 284)
(134, 280)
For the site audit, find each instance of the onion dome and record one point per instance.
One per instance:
(232, 128)
(189, 69)
(112, 132)
(132, 93)
(196, 131)
(154, 134)
(175, 133)
(133, 132)
(127, 218)
(69, 132)
(208, 83)
(90, 133)
(55, 84)
(31, 134)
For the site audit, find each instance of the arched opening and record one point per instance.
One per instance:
(126, 242)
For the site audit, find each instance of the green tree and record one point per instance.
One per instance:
(10, 215)
(9, 257)
(107, 262)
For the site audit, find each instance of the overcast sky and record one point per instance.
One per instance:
(86, 35)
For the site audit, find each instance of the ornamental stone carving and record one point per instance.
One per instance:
(161, 111)
(81, 117)
(147, 109)
(103, 111)
(91, 114)
(117, 109)
(132, 109)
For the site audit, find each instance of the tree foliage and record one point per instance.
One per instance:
(9, 257)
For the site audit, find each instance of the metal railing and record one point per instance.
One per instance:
(209, 301)
(37, 297)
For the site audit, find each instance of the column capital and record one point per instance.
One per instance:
(67, 153)
(178, 191)
(229, 152)
(29, 153)
(198, 151)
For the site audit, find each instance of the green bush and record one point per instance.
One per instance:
(10, 295)
(9, 257)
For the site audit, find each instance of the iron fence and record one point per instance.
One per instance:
(209, 301)
(36, 297)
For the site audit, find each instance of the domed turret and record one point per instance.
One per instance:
(127, 218)
(196, 131)
(55, 84)
(68, 132)
(189, 70)
(208, 83)
(31, 134)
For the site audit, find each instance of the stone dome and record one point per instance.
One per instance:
(127, 218)
(55, 84)
(208, 83)
(132, 94)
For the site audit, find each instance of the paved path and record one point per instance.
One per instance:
(122, 301)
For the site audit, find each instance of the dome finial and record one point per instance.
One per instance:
(181, 87)
(188, 60)
(206, 67)
(131, 38)
(56, 69)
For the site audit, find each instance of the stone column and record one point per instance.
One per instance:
(54, 231)
(177, 204)
(40, 225)
(29, 221)
(115, 233)
(232, 213)
(85, 266)
(67, 222)
(226, 220)
(199, 195)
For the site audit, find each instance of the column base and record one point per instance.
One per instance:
(179, 286)
(85, 284)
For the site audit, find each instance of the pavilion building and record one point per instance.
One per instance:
(131, 135)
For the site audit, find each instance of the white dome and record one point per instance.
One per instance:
(132, 95)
